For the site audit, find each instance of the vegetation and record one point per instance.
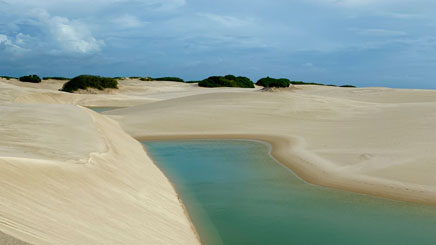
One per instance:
(119, 78)
(173, 79)
(31, 79)
(321, 84)
(304, 83)
(273, 82)
(7, 77)
(226, 81)
(347, 86)
(56, 78)
(88, 81)
(146, 79)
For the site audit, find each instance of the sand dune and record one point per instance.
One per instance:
(131, 92)
(71, 176)
(380, 144)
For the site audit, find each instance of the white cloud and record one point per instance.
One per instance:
(12, 46)
(128, 21)
(349, 3)
(380, 32)
(228, 21)
(73, 36)
(165, 5)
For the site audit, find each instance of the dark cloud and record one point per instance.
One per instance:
(365, 42)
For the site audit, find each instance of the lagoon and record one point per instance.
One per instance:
(236, 193)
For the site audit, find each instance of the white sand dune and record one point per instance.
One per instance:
(371, 140)
(71, 176)
(131, 92)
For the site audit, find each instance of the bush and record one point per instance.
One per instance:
(273, 82)
(88, 81)
(172, 79)
(146, 79)
(56, 78)
(30, 79)
(226, 81)
(8, 77)
(348, 86)
(304, 83)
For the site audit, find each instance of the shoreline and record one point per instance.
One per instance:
(313, 173)
(185, 211)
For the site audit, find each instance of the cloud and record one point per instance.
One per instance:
(12, 45)
(73, 36)
(381, 32)
(52, 34)
(166, 5)
(128, 21)
(349, 3)
(228, 21)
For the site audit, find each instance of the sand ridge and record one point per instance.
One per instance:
(114, 194)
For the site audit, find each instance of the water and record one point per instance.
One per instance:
(103, 109)
(235, 193)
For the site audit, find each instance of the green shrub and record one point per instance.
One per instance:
(146, 79)
(30, 79)
(172, 79)
(347, 86)
(8, 77)
(305, 83)
(56, 78)
(226, 81)
(273, 82)
(88, 81)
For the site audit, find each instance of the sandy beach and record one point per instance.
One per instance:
(69, 175)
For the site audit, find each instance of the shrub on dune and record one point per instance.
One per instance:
(269, 82)
(226, 81)
(146, 79)
(30, 79)
(171, 79)
(347, 86)
(56, 78)
(88, 81)
(8, 77)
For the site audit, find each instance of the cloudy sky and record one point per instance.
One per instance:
(362, 42)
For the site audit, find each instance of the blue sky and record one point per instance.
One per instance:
(362, 42)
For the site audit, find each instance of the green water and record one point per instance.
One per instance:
(103, 109)
(236, 193)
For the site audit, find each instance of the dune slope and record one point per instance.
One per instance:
(71, 176)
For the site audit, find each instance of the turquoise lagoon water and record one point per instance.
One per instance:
(236, 193)
(103, 109)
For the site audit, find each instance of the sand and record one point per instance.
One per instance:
(372, 140)
(72, 176)
(69, 175)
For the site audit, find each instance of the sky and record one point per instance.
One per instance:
(362, 42)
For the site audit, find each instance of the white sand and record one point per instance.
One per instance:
(372, 140)
(71, 176)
